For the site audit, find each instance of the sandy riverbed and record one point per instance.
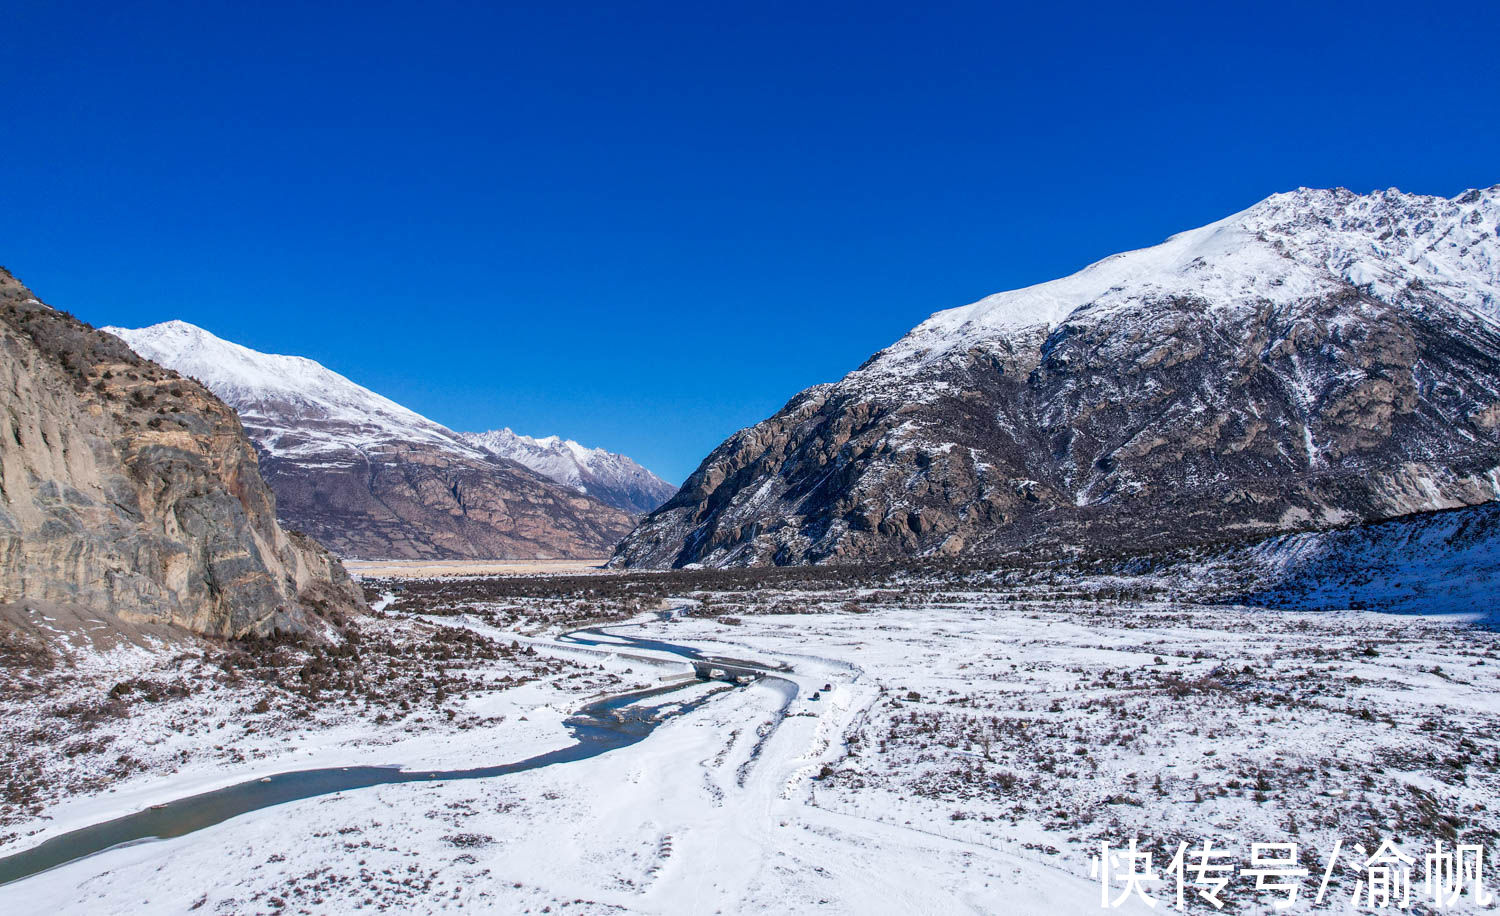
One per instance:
(422, 569)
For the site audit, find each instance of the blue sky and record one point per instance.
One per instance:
(647, 225)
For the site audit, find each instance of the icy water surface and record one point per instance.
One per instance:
(602, 726)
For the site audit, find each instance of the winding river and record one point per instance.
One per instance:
(601, 726)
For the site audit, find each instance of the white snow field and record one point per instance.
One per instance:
(948, 748)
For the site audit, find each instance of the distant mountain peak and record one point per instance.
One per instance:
(609, 477)
(370, 477)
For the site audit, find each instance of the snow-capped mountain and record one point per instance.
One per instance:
(606, 476)
(370, 478)
(296, 407)
(1287, 249)
(1320, 359)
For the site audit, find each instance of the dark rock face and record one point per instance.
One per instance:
(131, 490)
(627, 486)
(416, 501)
(637, 496)
(1147, 414)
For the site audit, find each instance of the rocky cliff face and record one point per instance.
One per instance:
(127, 489)
(369, 478)
(413, 501)
(1322, 359)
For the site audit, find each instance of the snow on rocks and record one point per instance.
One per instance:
(606, 476)
(1287, 248)
(267, 389)
(970, 745)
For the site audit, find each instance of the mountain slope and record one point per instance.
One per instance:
(1443, 562)
(1319, 359)
(608, 477)
(131, 493)
(1439, 562)
(371, 478)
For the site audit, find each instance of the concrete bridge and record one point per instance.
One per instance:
(715, 670)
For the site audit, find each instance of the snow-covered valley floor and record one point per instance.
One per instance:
(945, 751)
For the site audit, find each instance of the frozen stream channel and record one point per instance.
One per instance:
(601, 726)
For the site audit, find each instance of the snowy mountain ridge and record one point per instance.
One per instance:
(607, 476)
(266, 388)
(1288, 248)
(563, 459)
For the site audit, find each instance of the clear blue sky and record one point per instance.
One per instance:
(645, 225)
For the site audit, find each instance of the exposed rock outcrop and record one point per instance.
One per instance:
(1322, 359)
(128, 489)
(418, 501)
